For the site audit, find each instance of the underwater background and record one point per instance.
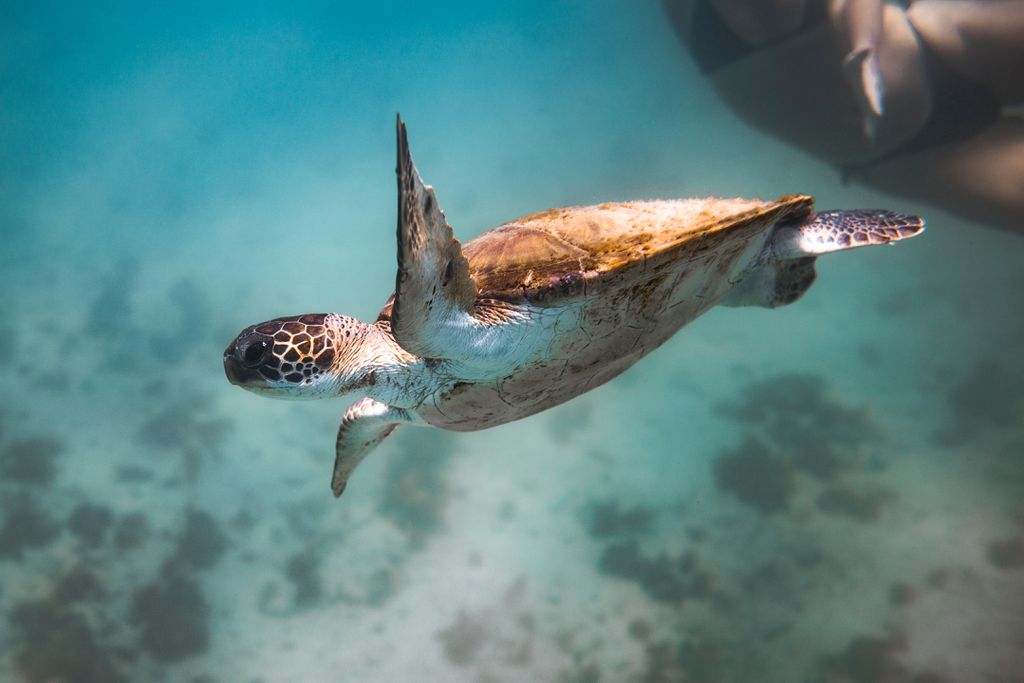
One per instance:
(831, 491)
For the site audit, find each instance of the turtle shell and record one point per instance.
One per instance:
(558, 254)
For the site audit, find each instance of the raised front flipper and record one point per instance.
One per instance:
(433, 291)
(366, 423)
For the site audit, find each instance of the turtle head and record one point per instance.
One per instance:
(293, 357)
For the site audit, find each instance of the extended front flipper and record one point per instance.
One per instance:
(434, 291)
(366, 423)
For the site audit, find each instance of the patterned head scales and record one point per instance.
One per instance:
(291, 357)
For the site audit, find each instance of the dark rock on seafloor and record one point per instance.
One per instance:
(607, 518)
(1007, 554)
(26, 525)
(30, 461)
(90, 522)
(80, 584)
(131, 531)
(201, 543)
(54, 642)
(172, 613)
(301, 570)
(664, 578)
(757, 475)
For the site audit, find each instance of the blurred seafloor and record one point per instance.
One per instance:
(825, 492)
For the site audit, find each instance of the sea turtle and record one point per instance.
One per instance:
(538, 310)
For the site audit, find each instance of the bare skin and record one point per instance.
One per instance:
(981, 178)
(797, 88)
(859, 24)
(910, 106)
(982, 39)
(759, 21)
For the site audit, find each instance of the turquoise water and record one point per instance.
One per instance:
(829, 491)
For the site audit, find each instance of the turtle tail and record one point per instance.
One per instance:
(836, 230)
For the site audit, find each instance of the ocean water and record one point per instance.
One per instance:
(830, 491)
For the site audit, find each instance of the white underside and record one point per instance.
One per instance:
(480, 351)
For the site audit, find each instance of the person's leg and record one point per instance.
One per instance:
(981, 178)
(982, 40)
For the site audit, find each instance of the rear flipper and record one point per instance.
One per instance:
(835, 230)
(788, 270)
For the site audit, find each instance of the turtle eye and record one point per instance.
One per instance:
(254, 353)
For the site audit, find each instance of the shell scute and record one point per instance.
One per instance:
(557, 254)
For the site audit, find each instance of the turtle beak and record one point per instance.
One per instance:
(231, 366)
(236, 372)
